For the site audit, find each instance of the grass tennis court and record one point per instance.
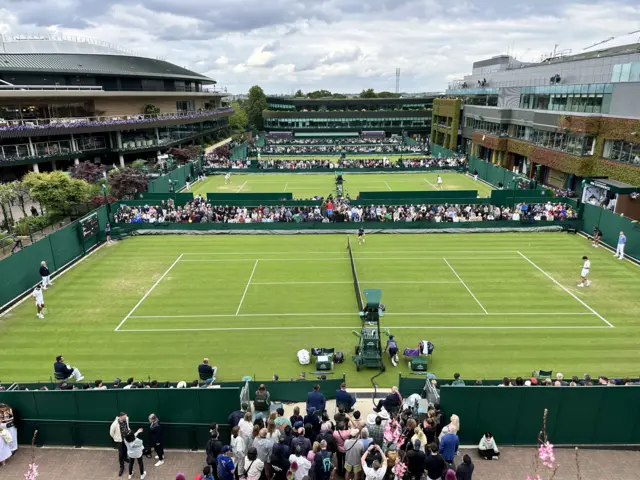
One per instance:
(309, 185)
(493, 305)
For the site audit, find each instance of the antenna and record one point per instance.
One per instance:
(609, 39)
(397, 80)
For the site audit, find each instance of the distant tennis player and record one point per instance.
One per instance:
(597, 235)
(439, 182)
(586, 266)
(361, 236)
(227, 178)
(39, 296)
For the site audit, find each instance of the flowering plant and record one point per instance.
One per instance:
(32, 472)
(393, 433)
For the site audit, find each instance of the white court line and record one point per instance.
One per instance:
(147, 294)
(338, 259)
(432, 185)
(350, 282)
(285, 187)
(568, 291)
(465, 286)
(416, 327)
(390, 189)
(247, 287)
(241, 187)
(340, 252)
(422, 314)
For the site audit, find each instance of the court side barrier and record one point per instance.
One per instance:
(514, 415)
(494, 174)
(425, 194)
(320, 170)
(226, 197)
(441, 152)
(178, 179)
(611, 224)
(19, 272)
(179, 199)
(83, 417)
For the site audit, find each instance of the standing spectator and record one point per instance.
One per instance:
(455, 422)
(322, 465)
(7, 421)
(487, 447)
(353, 450)
(206, 372)
(263, 445)
(296, 417)
(465, 469)
(622, 241)
(224, 465)
(213, 447)
(377, 471)
(261, 400)
(434, 464)
(415, 461)
(449, 444)
(134, 452)
(5, 444)
(246, 425)
(281, 421)
(299, 464)
(156, 439)
(299, 440)
(253, 465)
(429, 429)
(235, 417)
(206, 474)
(279, 463)
(119, 431)
(45, 275)
(316, 400)
(107, 232)
(341, 434)
(375, 427)
(311, 418)
(239, 449)
(344, 399)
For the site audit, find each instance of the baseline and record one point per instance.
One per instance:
(568, 291)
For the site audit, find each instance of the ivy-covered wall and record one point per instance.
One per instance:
(446, 137)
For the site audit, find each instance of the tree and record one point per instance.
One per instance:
(56, 191)
(87, 171)
(387, 95)
(21, 194)
(368, 93)
(239, 122)
(320, 94)
(126, 183)
(7, 195)
(256, 104)
(299, 94)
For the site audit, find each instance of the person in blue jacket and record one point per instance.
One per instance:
(316, 400)
(345, 398)
(449, 444)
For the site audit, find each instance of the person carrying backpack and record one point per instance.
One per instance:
(224, 464)
(205, 475)
(322, 463)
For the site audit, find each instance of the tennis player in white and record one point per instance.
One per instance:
(227, 178)
(586, 266)
(39, 296)
(439, 182)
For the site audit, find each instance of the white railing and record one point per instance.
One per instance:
(50, 87)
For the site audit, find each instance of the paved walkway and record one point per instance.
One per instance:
(514, 464)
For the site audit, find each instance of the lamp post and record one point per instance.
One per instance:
(104, 192)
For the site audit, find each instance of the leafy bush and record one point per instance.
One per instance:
(139, 164)
(27, 225)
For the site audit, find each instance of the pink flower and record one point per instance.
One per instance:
(32, 473)
(399, 470)
(545, 453)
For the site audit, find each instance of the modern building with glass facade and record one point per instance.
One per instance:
(561, 119)
(391, 115)
(64, 101)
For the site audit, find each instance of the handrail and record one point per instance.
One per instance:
(50, 87)
(79, 122)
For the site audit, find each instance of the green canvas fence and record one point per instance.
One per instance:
(19, 272)
(239, 152)
(510, 197)
(410, 385)
(83, 417)
(414, 201)
(514, 415)
(426, 195)
(178, 177)
(179, 198)
(441, 152)
(611, 225)
(227, 197)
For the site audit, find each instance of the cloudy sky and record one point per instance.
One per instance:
(339, 45)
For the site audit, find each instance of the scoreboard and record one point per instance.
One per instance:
(89, 226)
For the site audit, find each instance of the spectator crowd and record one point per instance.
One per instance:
(422, 162)
(305, 149)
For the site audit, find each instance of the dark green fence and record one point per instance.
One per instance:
(441, 152)
(258, 197)
(577, 415)
(239, 152)
(442, 196)
(83, 417)
(254, 169)
(611, 225)
(19, 272)
(491, 173)
(178, 179)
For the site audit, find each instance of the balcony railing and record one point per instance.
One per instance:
(100, 88)
(23, 151)
(71, 123)
(50, 87)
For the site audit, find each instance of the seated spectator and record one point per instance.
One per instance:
(98, 385)
(465, 469)
(456, 381)
(344, 399)
(63, 371)
(487, 447)
(316, 400)
(560, 378)
(391, 403)
(206, 372)
(262, 400)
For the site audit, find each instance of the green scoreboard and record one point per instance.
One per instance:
(89, 226)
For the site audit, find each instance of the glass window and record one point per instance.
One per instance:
(625, 72)
(634, 76)
(608, 145)
(600, 88)
(615, 74)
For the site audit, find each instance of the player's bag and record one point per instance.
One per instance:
(338, 357)
(303, 357)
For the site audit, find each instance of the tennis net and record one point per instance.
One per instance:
(356, 284)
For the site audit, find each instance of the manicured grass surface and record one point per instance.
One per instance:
(293, 292)
(308, 185)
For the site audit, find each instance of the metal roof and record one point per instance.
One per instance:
(96, 65)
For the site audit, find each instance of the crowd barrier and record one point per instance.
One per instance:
(20, 272)
(492, 173)
(321, 170)
(178, 179)
(611, 224)
(231, 197)
(239, 152)
(441, 196)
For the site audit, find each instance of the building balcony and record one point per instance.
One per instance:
(348, 114)
(60, 126)
(93, 91)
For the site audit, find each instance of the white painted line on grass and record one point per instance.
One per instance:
(351, 282)
(147, 294)
(241, 187)
(390, 189)
(343, 252)
(409, 327)
(465, 286)
(342, 259)
(568, 291)
(285, 187)
(247, 287)
(422, 314)
(432, 185)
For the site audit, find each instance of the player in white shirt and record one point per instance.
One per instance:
(439, 182)
(39, 296)
(586, 266)
(227, 178)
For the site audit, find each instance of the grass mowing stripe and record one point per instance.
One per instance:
(569, 292)
(465, 286)
(147, 294)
